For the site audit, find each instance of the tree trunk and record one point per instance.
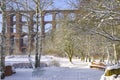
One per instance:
(3, 39)
(115, 53)
(108, 56)
(29, 36)
(37, 62)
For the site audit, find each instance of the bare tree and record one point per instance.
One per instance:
(102, 18)
(3, 38)
(40, 7)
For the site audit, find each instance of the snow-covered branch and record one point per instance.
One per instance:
(113, 38)
(104, 11)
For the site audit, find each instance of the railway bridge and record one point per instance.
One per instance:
(19, 23)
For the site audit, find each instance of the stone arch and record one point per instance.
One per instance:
(25, 40)
(58, 25)
(25, 17)
(14, 28)
(18, 24)
(48, 27)
(71, 16)
(24, 43)
(59, 16)
(14, 18)
(25, 28)
(12, 40)
(48, 17)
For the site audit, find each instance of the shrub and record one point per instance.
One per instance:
(54, 63)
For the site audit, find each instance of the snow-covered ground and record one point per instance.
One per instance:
(113, 75)
(67, 71)
(56, 73)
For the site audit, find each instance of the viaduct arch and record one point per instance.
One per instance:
(17, 34)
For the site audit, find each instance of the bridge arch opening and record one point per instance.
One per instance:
(53, 15)
(71, 16)
(14, 18)
(59, 17)
(48, 27)
(48, 17)
(25, 28)
(14, 28)
(25, 40)
(24, 44)
(25, 17)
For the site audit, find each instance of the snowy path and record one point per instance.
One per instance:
(56, 73)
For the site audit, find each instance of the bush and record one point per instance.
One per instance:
(112, 72)
(54, 63)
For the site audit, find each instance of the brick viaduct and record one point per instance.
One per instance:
(17, 29)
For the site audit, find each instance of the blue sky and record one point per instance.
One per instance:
(59, 4)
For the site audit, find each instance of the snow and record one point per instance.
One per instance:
(60, 73)
(21, 74)
(56, 73)
(77, 70)
(113, 67)
(112, 77)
